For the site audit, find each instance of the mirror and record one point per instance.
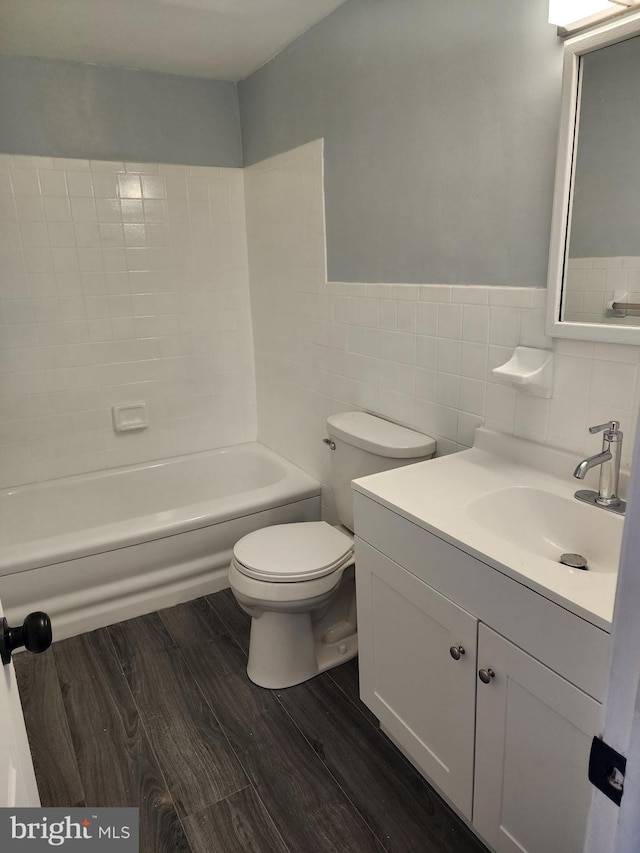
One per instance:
(594, 259)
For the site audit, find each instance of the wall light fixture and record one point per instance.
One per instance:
(573, 15)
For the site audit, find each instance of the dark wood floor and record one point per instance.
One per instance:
(158, 713)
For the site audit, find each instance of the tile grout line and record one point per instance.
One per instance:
(350, 699)
(69, 726)
(222, 728)
(249, 784)
(331, 775)
(315, 754)
(116, 657)
(69, 730)
(282, 705)
(252, 787)
(230, 632)
(245, 814)
(352, 703)
(271, 819)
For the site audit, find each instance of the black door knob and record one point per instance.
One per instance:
(34, 633)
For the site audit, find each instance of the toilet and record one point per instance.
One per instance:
(297, 581)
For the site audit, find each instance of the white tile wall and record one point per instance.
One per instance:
(120, 282)
(593, 283)
(420, 355)
(126, 282)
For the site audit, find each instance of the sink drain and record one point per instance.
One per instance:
(575, 561)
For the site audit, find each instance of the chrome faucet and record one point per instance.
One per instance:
(609, 461)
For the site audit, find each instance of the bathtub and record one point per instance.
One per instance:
(98, 548)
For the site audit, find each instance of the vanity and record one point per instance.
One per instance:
(483, 656)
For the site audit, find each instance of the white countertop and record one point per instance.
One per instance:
(522, 532)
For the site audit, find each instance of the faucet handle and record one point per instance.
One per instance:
(610, 426)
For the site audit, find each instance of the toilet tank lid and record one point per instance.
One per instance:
(379, 436)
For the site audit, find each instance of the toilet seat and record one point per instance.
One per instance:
(289, 553)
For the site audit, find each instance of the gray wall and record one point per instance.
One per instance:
(70, 109)
(606, 208)
(440, 123)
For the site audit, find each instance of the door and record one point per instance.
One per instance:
(423, 695)
(533, 738)
(17, 779)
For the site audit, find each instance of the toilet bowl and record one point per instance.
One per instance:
(297, 581)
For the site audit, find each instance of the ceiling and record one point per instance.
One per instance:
(222, 39)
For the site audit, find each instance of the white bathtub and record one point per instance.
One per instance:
(98, 548)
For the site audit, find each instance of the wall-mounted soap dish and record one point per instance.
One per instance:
(529, 370)
(130, 416)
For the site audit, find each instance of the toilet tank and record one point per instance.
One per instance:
(365, 444)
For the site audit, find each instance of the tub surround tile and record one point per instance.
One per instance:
(81, 231)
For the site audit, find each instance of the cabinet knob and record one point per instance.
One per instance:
(456, 652)
(486, 675)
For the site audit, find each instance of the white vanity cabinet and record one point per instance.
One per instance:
(424, 699)
(533, 737)
(511, 755)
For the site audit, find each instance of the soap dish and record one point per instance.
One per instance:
(529, 370)
(130, 417)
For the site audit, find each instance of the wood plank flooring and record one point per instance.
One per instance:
(158, 713)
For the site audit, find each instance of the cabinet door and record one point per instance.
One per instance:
(422, 696)
(533, 738)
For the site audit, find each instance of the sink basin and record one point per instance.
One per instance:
(510, 503)
(550, 525)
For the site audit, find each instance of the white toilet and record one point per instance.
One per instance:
(297, 581)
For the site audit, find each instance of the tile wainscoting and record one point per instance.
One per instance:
(418, 354)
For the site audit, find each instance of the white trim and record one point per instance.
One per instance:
(621, 721)
(574, 49)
